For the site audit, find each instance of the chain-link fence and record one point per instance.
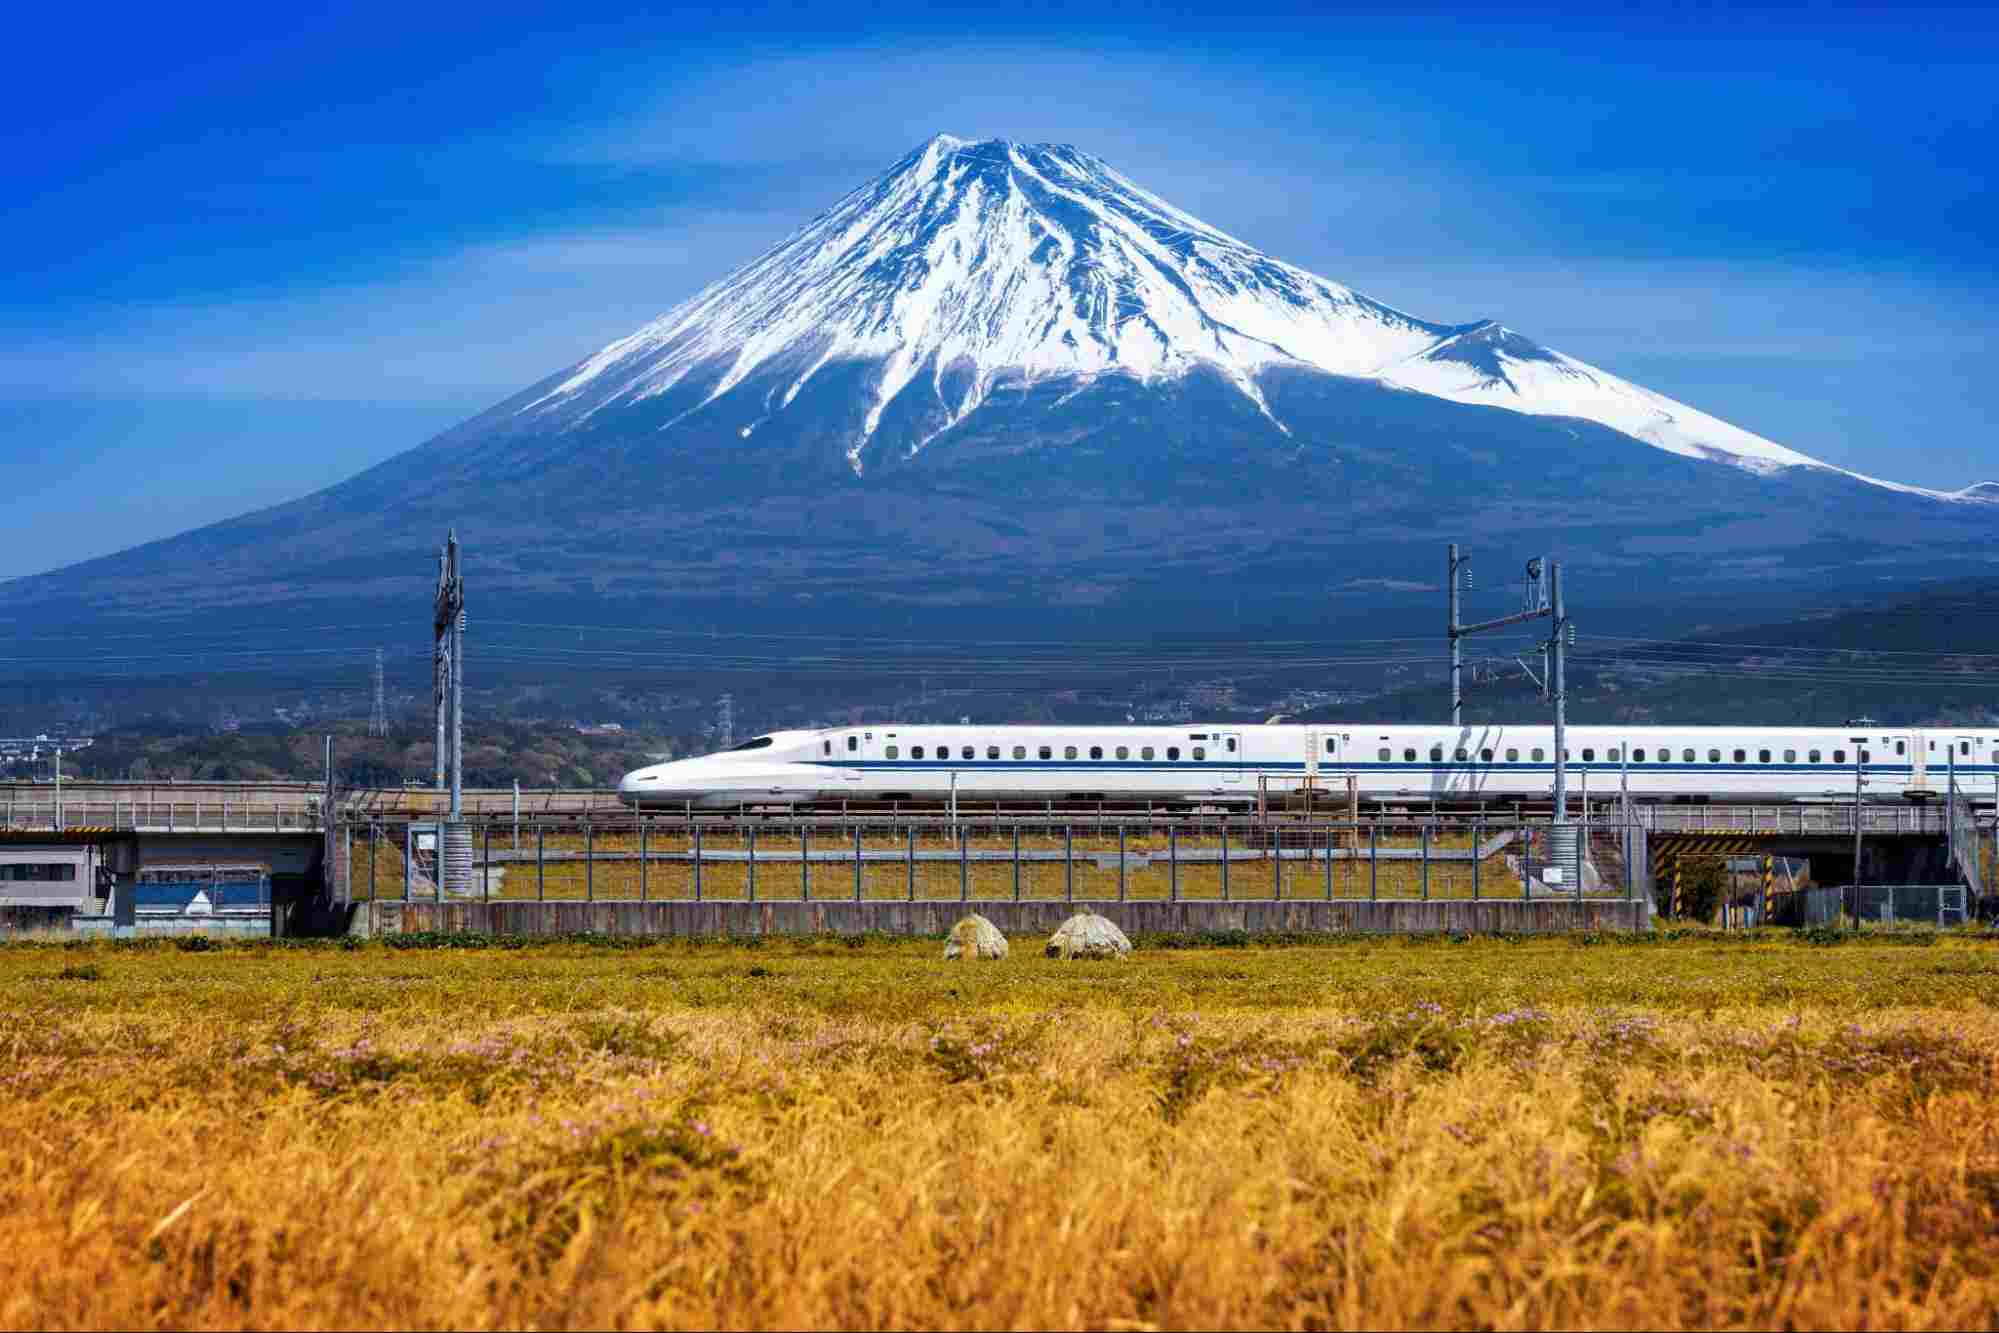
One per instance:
(1201, 858)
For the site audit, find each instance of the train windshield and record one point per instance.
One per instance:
(761, 742)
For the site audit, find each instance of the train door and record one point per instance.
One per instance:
(1228, 749)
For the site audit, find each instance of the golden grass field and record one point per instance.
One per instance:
(1700, 1131)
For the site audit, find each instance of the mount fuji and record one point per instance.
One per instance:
(975, 268)
(1006, 374)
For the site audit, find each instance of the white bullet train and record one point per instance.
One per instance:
(1229, 762)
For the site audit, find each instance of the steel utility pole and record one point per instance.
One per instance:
(378, 719)
(448, 657)
(1859, 769)
(1456, 632)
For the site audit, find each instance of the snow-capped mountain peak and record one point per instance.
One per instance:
(976, 264)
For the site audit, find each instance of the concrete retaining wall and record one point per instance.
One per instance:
(708, 919)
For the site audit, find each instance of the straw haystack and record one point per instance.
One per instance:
(1088, 935)
(975, 937)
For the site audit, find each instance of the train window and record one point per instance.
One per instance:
(1460, 755)
(1614, 754)
(1383, 753)
(1485, 756)
(1512, 755)
(1146, 753)
(1331, 745)
(1436, 754)
(1714, 756)
(1230, 742)
(853, 744)
(1866, 756)
(1200, 752)
(1020, 752)
(892, 752)
(1741, 756)
(1172, 752)
(1096, 752)
(1686, 756)
(1589, 755)
(967, 753)
(1540, 755)
(1902, 747)
(1762, 756)
(825, 747)
(1124, 752)
(916, 752)
(1409, 755)
(1790, 756)
(1639, 755)
(1839, 756)
(1963, 747)
(1811, 756)
(759, 743)
(1047, 752)
(992, 752)
(1068, 752)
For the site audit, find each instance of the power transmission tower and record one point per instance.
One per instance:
(725, 721)
(378, 721)
(1543, 600)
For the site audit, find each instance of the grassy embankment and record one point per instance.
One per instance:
(1694, 1132)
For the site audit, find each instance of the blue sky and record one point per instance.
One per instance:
(251, 252)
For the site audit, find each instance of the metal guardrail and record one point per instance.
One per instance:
(1808, 820)
(162, 817)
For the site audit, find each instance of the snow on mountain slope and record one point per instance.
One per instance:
(975, 264)
(1494, 366)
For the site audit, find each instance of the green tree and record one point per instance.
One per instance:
(1703, 881)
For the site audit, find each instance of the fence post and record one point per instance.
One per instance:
(696, 845)
(1120, 861)
(910, 834)
(1069, 861)
(1276, 837)
(1426, 863)
(540, 864)
(642, 855)
(1373, 846)
(857, 863)
(804, 863)
(1172, 863)
(1225, 858)
(752, 863)
(1477, 854)
(1016, 863)
(486, 864)
(589, 862)
(1329, 862)
(964, 854)
(374, 857)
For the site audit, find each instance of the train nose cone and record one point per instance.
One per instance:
(637, 782)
